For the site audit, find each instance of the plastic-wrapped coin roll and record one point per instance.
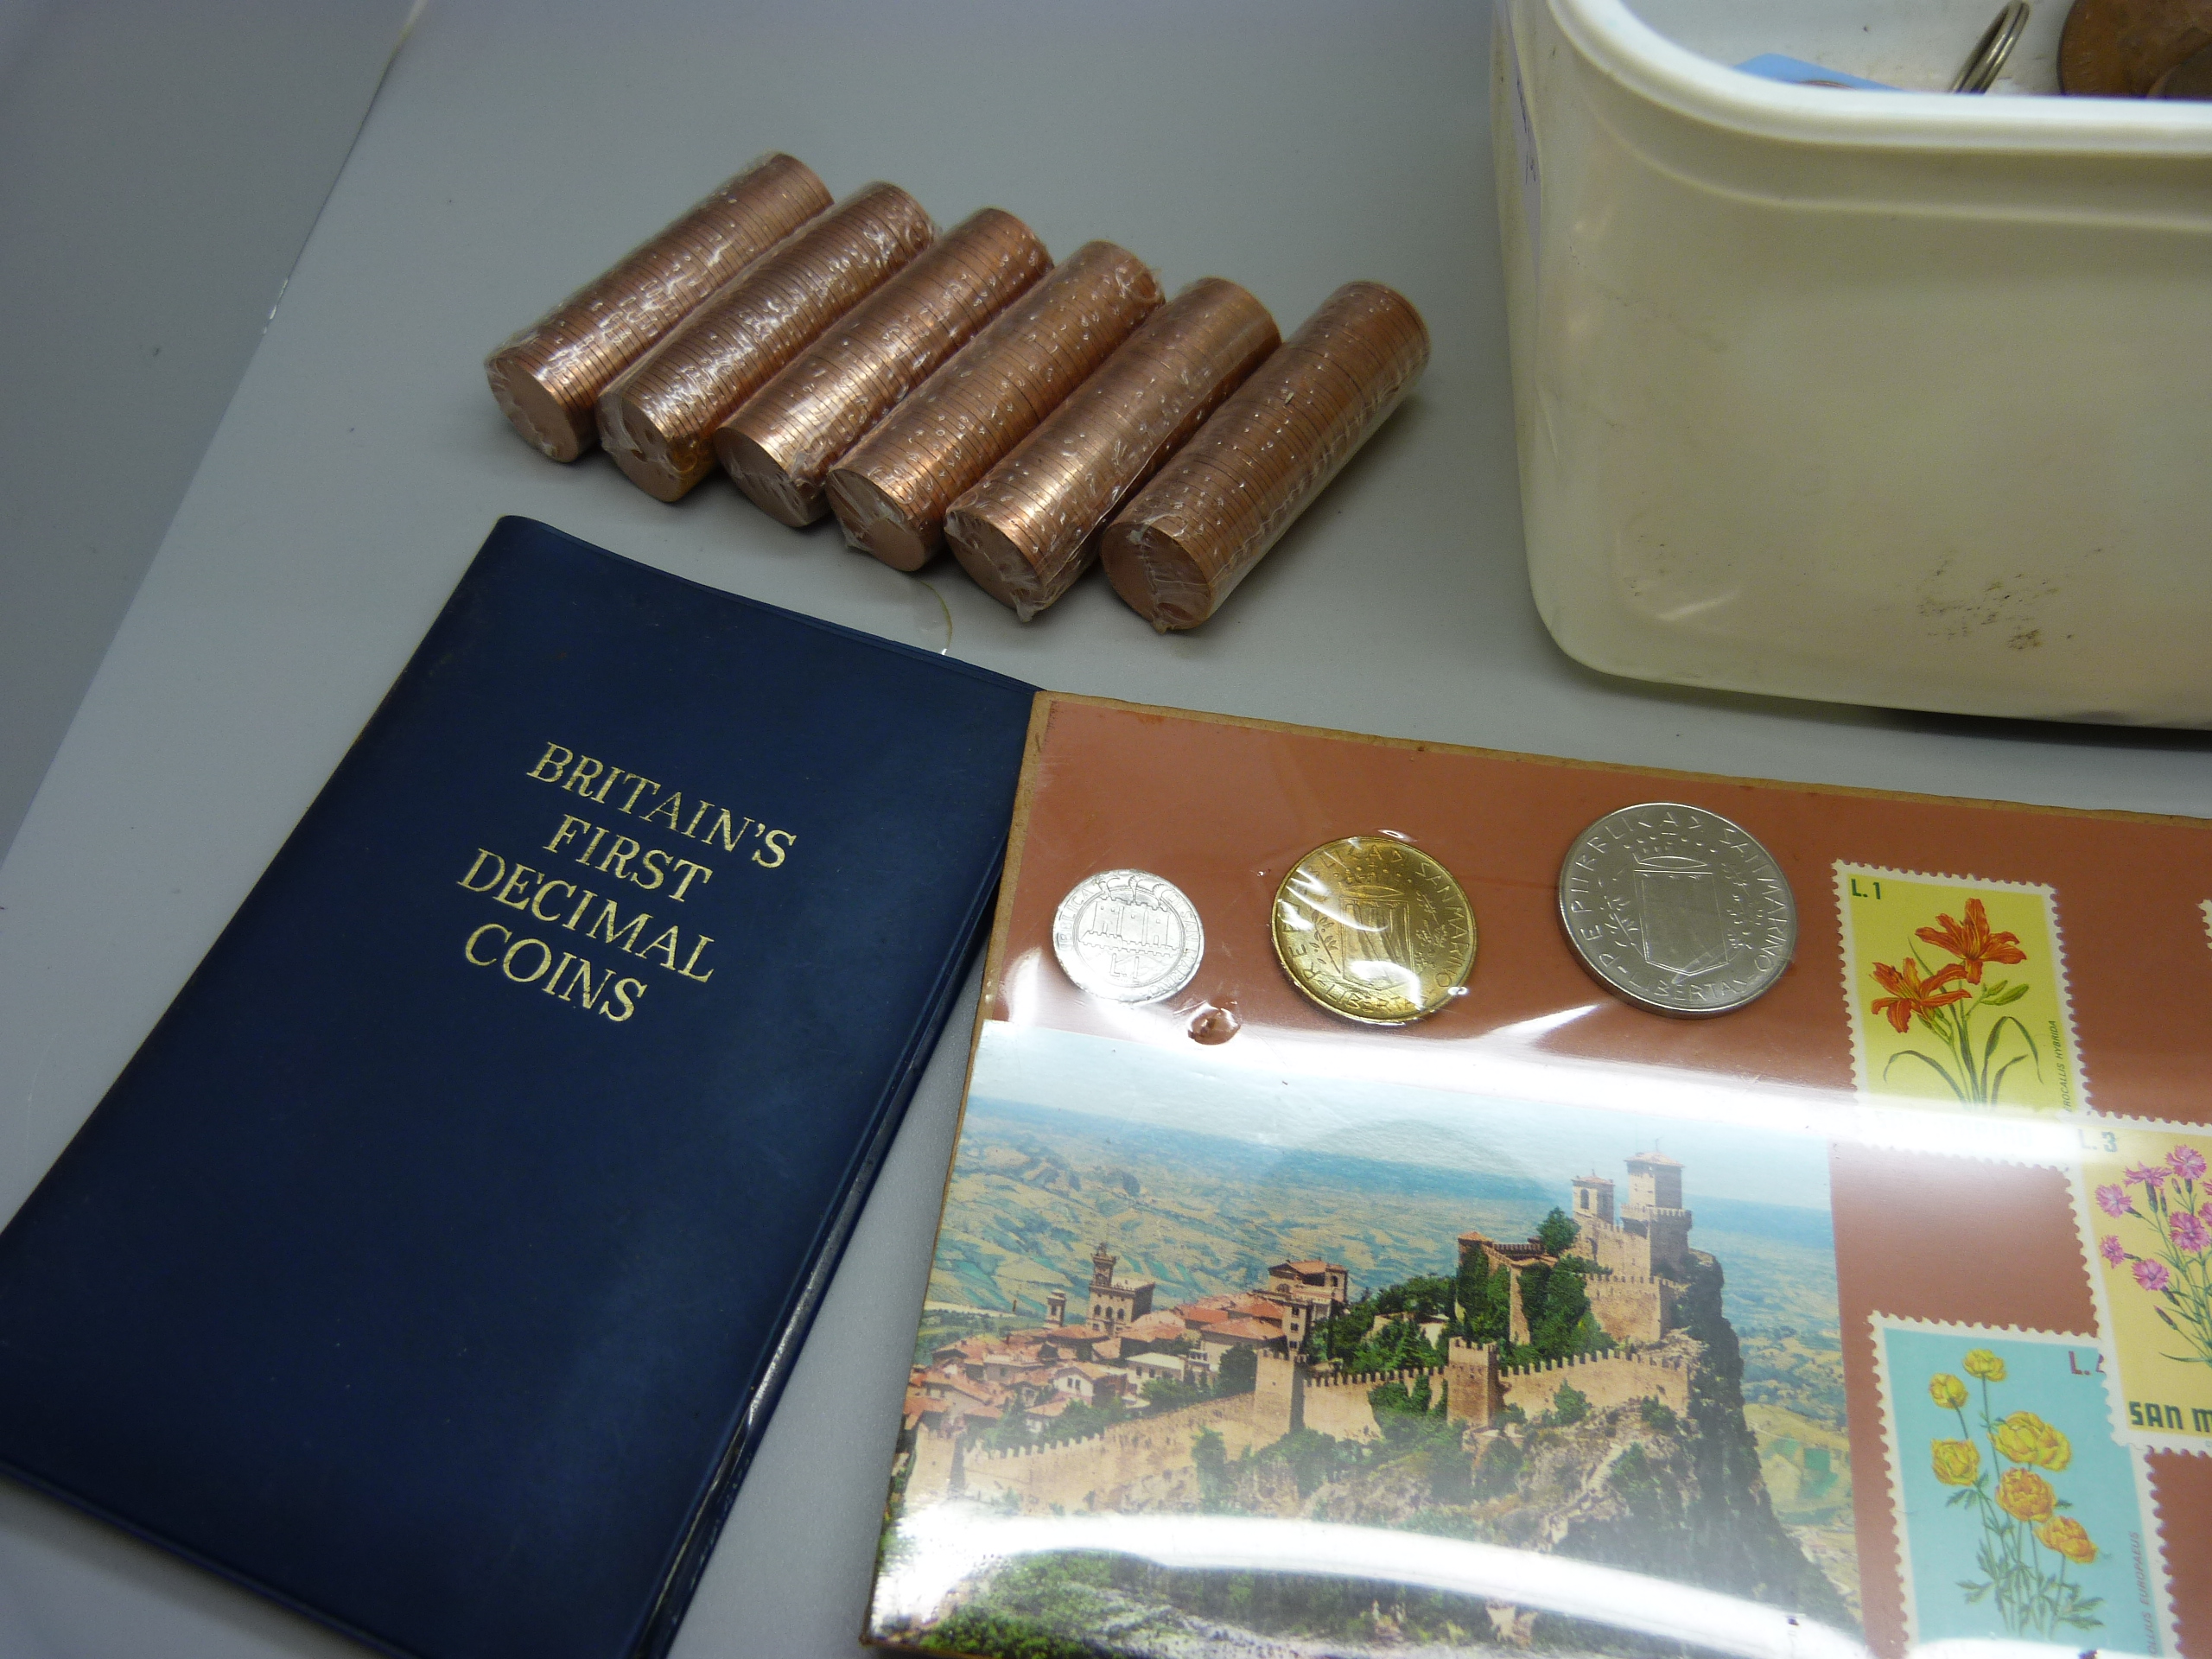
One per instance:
(548, 377)
(1029, 528)
(1188, 538)
(782, 442)
(892, 491)
(659, 417)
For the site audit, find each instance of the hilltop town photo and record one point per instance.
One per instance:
(1528, 1337)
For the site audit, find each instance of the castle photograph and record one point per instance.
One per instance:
(1132, 1318)
(1022, 1379)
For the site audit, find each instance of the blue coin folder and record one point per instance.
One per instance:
(434, 1265)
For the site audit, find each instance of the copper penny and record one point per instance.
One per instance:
(2118, 48)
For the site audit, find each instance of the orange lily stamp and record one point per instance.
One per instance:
(2143, 1193)
(1957, 991)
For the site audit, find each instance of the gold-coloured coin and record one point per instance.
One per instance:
(1375, 929)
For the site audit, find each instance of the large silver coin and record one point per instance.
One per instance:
(1128, 936)
(1677, 909)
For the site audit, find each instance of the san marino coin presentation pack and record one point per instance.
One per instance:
(1426, 1199)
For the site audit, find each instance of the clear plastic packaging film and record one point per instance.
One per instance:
(548, 377)
(1029, 528)
(657, 419)
(1182, 545)
(892, 491)
(781, 443)
(1545, 1322)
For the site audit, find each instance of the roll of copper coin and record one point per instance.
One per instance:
(1029, 530)
(548, 376)
(783, 440)
(1189, 537)
(891, 493)
(659, 417)
(2120, 49)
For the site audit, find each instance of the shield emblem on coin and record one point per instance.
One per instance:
(1684, 929)
(1371, 934)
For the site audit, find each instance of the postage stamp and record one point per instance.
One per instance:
(2019, 1516)
(2145, 1209)
(1957, 991)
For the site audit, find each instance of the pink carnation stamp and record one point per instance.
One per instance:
(2141, 1196)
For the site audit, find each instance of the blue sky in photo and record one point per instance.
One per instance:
(1203, 1091)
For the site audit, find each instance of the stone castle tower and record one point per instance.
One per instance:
(1642, 1252)
(1474, 1390)
(1115, 1302)
(1651, 1237)
(1593, 1198)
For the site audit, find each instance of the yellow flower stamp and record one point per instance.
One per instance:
(2020, 1517)
(2026, 1438)
(1958, 1463)
(2144, 1201)
(1957, 991)
(1980, 1363)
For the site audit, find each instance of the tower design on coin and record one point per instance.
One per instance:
(1127, 935)
(1136, 935)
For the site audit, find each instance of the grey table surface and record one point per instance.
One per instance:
(165, 164)
(513, 150)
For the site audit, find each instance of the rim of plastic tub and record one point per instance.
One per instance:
(1629, 50)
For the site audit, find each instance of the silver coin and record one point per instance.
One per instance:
(1128, 936)
(1677, 909)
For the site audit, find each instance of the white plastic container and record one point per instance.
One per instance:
(1886, 398)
